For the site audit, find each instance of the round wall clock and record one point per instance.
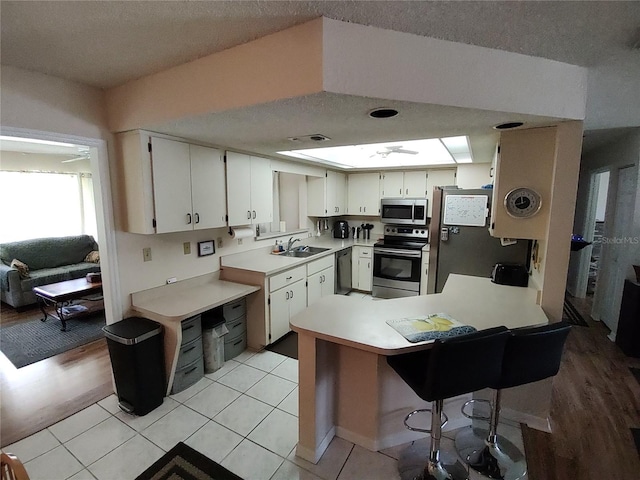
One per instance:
(522, 202)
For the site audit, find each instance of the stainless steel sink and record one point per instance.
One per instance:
(303, 251)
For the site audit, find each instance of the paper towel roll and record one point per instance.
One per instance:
(246, 232)
(283, 226)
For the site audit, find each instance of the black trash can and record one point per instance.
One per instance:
(137, 357)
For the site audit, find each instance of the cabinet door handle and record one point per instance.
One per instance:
(291, 293)
(248, 214)
(287, 296)
(197, 217)
(187, 328)
(364, 209)
(238, 342)
(254, 214)
(190, 370)
(188, 218)
(188, 349)
(289, 278)
(407, 191)
(400, 191)
(361, 209)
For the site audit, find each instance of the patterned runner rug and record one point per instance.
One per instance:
(184, 463)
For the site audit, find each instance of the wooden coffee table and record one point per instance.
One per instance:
(61, 295)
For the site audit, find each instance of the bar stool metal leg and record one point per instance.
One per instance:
(435, 469)
(494, 456)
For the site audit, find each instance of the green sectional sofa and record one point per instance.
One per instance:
(49, 260)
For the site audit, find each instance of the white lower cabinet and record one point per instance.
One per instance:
(362, 264)
(320, 279)
(287, 297)
(424, 273)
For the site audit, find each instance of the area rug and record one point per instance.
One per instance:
(184, 463)
(635, 432)
(571, 314)
(636, 373)
(32, 340)
(287, 345)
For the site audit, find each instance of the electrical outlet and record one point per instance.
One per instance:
(186, 246)
(219, 242)
(146, 254)
(171, 280)
(239, 241)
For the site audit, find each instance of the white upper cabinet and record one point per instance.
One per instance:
(168, 185)
(438, 178)
(411, 184)
(364, 194)
(209, 199)
(249, 189)
(326, 195)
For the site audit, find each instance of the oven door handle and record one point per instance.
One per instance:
(397, 253)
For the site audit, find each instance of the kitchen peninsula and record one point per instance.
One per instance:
(346, 387)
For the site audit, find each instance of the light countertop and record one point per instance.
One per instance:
(361, 323)
(262, 261)
(184, 299)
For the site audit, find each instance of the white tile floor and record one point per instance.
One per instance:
(244, 416)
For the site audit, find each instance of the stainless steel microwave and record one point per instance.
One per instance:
(404, 211)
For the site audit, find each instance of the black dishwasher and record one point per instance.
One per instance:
(343, 271)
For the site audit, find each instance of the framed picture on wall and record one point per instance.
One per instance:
(206, 248)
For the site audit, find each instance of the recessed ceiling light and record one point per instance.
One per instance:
(383, 113)
(408, 153)
(508, 125)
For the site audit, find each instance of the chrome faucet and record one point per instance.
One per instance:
(291, 242)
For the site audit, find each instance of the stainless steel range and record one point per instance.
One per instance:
(397, 261)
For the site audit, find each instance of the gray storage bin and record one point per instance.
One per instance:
(237, 326)
(191, 329)
(189, 352)
(188, 375)
(234, 346)
(234, 309)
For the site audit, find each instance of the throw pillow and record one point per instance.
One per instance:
(23, 268)
(92, 257)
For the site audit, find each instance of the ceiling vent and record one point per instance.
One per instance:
(316, 137)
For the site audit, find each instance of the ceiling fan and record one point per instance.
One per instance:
(82, 155)
(386, 151)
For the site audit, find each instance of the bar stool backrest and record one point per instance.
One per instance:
(463, 364)
(532, 354)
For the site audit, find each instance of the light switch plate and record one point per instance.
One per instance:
(186, 247)
(146, 254)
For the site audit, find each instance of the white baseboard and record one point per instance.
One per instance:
(314, 456)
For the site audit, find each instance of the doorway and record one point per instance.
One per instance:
(600, 182)
(615, 254)
(43, 393)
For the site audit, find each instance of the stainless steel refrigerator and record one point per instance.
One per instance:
(459, 240)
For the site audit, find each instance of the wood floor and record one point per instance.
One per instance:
(43, 393)
(596, 400)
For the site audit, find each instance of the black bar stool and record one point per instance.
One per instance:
(452, 367)
(531, 354)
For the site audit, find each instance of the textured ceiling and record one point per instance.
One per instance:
(107, 43)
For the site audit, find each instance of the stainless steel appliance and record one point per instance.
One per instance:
(341, 229)
(343, 271)
(404, 211)
(460, 241)
(397, 261)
